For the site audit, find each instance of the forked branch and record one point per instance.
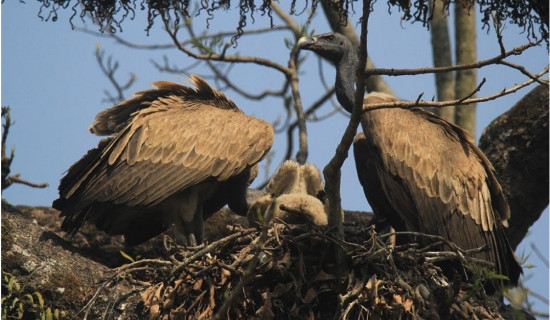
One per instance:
(460, 101)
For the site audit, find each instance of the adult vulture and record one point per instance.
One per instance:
(421, 172)
(176, 155)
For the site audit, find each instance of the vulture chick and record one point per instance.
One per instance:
(420, 172)
(295, 195)
(175, 155)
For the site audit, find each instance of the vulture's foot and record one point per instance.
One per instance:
(184, 236)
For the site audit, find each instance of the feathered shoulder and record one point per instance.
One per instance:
(167, 94)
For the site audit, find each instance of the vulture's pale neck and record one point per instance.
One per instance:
(345, 79)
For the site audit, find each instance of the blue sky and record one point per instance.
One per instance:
(52, 83)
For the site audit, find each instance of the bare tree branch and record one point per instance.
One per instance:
(301, 155)
(523, 70)
(222, 57)
(109, 68)
(16, 179)
(290, 23)
(133, 45)
(461, 101)
(8, 180)
(166, 67)
(479, 64)
(465, 52)
(541, 258)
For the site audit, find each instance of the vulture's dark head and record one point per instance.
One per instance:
(332, 46)
(338, 49)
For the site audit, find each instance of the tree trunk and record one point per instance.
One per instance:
(45, 265)
(441, 49)
(517, 144)
(466, 80)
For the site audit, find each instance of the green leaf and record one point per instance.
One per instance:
(12, 281)
(15, 302)
(288, 45)
(260, 216)
(127, 256)
(40, 299)
(29, 299)
(48, 314)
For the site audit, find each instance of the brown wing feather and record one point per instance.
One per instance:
(365, 163)
(439, 182)
(165, 152)
(118, 117)
(174, 143)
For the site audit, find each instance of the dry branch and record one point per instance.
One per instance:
(475, 65)
(301, 155)
(109, 67)
(460, 101)
(8, 180)
(220, 56)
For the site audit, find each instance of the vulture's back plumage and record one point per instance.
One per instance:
(420, 172)
(434, 180)
(173, 149)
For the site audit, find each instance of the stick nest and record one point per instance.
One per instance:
(290, 272)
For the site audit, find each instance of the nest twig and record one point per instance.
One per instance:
(289, 272)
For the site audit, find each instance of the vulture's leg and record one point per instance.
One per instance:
(237, 194)
(184, 220)
(189, 234)
(182, 233)
(185, 232)
(198, 225)
(194, 230)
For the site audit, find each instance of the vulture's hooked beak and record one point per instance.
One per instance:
(306, 43)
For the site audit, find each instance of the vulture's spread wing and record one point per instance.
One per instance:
(174, 143)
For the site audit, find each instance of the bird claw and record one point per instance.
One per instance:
(186, 240)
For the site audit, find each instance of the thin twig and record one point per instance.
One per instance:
(301, 155)
(412, 104)
(129, 44)
(539, 254)
(471, 94)
(247, 276)
(523, 70)
(475, 65)
(109, 69)
(15, 179)
(258, 96)
(222, 57)
(210, 248)
(220, 76)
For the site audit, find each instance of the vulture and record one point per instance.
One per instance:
(295, 194)
(420, 172)
(174, 156)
